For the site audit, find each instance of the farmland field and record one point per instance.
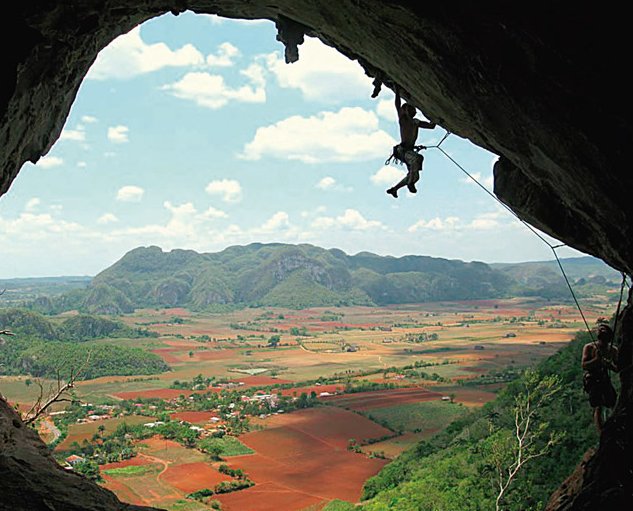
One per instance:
(383, 379)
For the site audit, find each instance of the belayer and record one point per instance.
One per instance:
(597, 359)
(405, 151)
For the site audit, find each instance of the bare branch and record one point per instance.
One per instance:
(55, 395)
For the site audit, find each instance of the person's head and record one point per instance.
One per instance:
(605, 333)
(409, 109)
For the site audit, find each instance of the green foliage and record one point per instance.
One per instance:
(131, 470)
(339, 505)
(22, 355)
(294, 276)
(456, 469)
(225, 446)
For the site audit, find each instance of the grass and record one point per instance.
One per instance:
(132, 470)
(230, 446)
(429, 415)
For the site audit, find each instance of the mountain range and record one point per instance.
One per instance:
(298, 276)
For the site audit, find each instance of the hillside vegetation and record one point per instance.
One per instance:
(296, 276)
(456, 469)
(44, 348)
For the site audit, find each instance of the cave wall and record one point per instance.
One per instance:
(541, 85)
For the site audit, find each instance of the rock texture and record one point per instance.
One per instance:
(542, 85)
(30, 479)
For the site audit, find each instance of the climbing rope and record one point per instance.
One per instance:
(534, 231)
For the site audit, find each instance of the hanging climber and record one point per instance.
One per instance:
(597, 359)
(405, 151)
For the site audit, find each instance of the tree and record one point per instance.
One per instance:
(274, 341)
(510, 449)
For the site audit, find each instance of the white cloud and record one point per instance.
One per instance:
(47, 162)
(130, 193)
(214, 213)
(279, 221)
(435, 224)
(30, 226)
(350, 134)
(211, 91)
(387, 110)
(77, 135)
(326, 182)
(321, 74)
(107, 218)
(229, 189)
(486, 181)
(129, 56)
(224, 57)
(486, 221)
(387, 175)
(89, 119)
(118, 134)
(82, 164)
(351, 219)
(32, 204)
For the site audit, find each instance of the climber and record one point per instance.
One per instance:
(405, 150)
(597, 358)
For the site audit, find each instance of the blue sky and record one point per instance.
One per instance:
(192, 132)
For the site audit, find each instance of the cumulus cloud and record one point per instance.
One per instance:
(486, 221)
(77, 135)
(435, 224)
(107, 218)
(387, 175)
(487, 180)
(129, 56)
(47, 162)
(326, 182)
(224, 57)
(32, 204)
(321, 74)
(279, 221)
(229, 190)
(118, 134)
(88, 119)
(211, 91)
(130, 193)
(351, 219)
(31, 226)
(351, 134)
(212, 212)
(387, 109)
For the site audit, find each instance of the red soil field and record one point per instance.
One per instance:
(363, 401)
(158, 443)
(214, 355)
(193, 417)
(159, 393)
(190, 477)
(123, 492)
(167, 354)
(306, 453)
(267, 497)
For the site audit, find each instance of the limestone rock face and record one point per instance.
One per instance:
(541, 85)
(30, 479)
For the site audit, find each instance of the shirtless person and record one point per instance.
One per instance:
(597, 358)
(404, 150)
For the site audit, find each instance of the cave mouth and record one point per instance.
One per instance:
(560, 173)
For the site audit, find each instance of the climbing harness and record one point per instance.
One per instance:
(394, 154)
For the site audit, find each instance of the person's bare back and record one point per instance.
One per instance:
(405, 150)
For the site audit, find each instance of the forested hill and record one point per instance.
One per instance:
(283, 275)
